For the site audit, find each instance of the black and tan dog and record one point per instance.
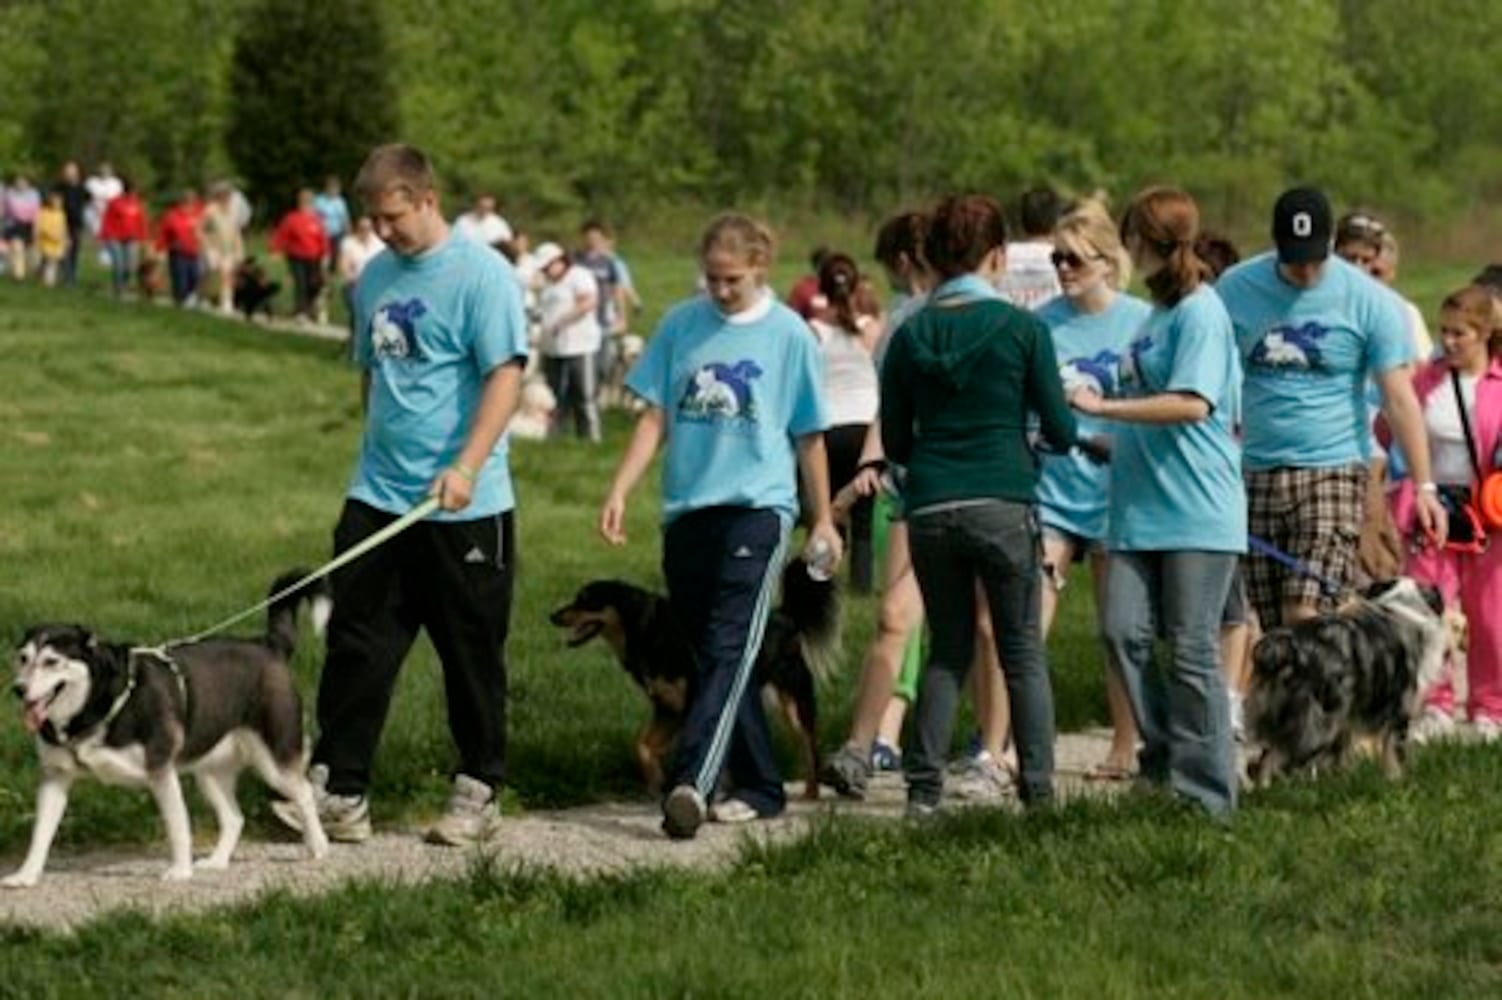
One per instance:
(801, 646)
(1327, 688)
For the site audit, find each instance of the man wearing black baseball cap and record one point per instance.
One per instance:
(1311, 331)
(1302, 228)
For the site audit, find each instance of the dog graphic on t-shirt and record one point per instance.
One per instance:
(719, 391)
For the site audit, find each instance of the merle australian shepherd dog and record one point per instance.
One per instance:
(800, 646)
(1346, 681)
(132, 715)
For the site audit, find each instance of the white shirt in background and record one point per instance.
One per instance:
(559, 298)
(850, 384)
(1030, 278)
(488, 229)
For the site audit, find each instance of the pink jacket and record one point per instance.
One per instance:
(1486, 425)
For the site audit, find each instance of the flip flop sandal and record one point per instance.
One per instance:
(1110, 772)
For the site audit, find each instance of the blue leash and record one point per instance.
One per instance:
(1332, 589)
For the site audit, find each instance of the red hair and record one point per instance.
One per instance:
(1167, 220)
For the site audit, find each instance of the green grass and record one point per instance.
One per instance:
(1349, 888)
(160, 468)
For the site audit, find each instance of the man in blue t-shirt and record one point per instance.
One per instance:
(1312, 330)
(441, 342)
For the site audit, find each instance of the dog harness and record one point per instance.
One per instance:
(67, 738)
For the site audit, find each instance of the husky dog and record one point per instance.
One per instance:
(132, 715)
(1354, 676)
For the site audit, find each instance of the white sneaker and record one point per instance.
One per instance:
(1487, 730)
(982, 778)
(733, 811)
(345, 818)
(470, 816)
(1433, 726)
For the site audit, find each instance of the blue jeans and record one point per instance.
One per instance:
(1181, 710)
(998, 543)
(122, 263)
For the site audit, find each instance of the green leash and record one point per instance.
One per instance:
(387, 533)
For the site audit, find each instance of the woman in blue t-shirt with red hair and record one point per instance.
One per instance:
(1177, 515)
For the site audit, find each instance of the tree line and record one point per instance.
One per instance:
(638, 109)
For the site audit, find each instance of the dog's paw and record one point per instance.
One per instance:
(212, 863)
(317, 850)
(20, 880)
(178, 873)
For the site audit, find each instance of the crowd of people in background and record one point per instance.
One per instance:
(195, 254)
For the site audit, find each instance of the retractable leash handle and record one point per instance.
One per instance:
(349, 555)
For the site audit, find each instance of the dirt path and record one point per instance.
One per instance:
(594, 839)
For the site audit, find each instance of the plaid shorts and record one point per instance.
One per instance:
(1313, 515)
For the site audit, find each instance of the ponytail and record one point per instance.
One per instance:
(1183, 272)
(839, 282)
(1166, 221)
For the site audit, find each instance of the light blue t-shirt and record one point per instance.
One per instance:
(1090, 346)
(1178, 486)
(1308, 354)
(431, 329)
(736, 395)
(333, 212)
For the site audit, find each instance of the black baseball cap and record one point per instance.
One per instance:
(1302, 226)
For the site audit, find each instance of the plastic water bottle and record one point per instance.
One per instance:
(820, 558)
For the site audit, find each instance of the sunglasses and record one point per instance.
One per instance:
(1063, 258)
(1361, 226)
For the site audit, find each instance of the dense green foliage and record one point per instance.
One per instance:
(310, 93)
(637, 107)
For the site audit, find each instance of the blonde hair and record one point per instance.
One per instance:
(1089, 224)
(741, 236)
(396, 167)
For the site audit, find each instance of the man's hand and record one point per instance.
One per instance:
(454, 488)
(613, 519)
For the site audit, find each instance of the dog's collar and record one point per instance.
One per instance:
(67, 736)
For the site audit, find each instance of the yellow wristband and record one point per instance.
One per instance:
(464, 471)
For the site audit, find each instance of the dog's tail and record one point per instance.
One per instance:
(813, 606)
(281, 617)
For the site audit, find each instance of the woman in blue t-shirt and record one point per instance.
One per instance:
(732, 384)
(1177, 509)
(1092, 323)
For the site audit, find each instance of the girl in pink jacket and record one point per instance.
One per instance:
(1468, 375)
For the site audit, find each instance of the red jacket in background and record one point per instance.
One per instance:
(300, 235)
(178, 229)
(124, 220)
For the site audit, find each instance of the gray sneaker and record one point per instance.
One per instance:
(848, 772)
(683, 812)
(470, 816)
(345, 818)
(983, 778)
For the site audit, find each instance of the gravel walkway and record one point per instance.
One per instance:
(594, 839)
